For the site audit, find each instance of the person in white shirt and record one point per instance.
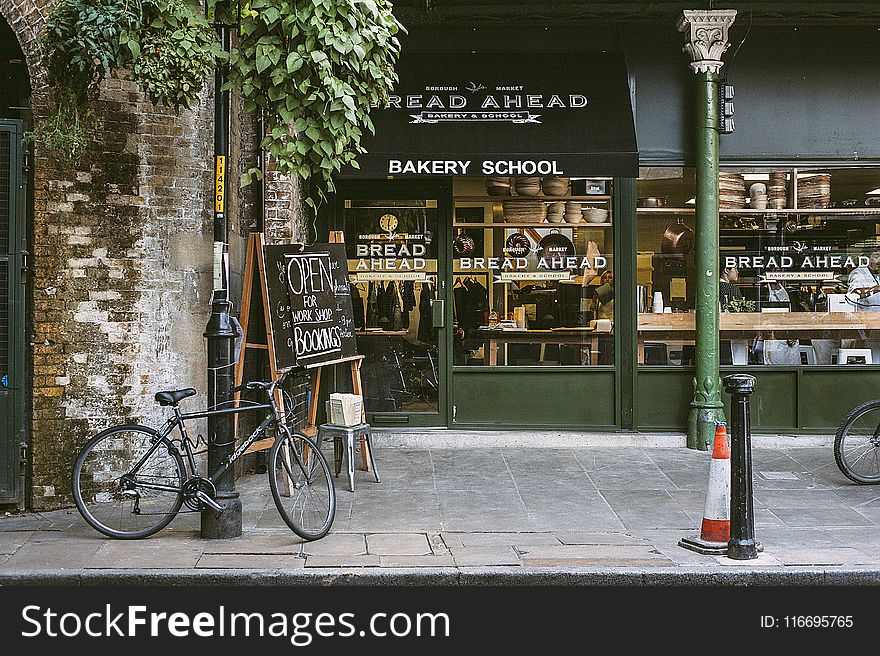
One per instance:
(865, 281)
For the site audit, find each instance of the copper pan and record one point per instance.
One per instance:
(678, 239)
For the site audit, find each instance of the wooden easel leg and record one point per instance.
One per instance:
(357, 389)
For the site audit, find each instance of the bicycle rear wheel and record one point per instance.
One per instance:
(299, 478)
(857, 444)
(127, 482)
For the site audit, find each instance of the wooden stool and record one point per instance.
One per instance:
(350, 434)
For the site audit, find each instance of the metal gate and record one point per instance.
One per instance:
(13, 381)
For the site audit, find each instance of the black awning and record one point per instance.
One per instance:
(505, 113)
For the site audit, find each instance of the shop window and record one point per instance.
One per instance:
(392, 263)
(533, 280)
(800, 256)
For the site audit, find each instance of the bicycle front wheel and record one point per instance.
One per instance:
(857, 444)
(299, 478)
(127, 482)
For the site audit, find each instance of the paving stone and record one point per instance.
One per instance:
(651, 478)
(568, 555)
(799, 538)
(417, 561)
(813, 517)
(484, 556)
(276, 543)
(794, 499)
(644, 509)
(395, 511)
(816, 557)
(56, 553)
(764, 559)
(438, 546)
(27, 522)
(598, 562)
(541, 461)
(250, 561)
(337, 544)
(10, 542)
(155, 553)
(364, 560)
(463, 511)
(599, 538)
(592, 516)
(398, 544)
(499, 539)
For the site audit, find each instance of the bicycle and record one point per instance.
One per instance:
(857, 444)
(130, 481)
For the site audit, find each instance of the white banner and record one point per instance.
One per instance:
(533, 275)
(414, 276)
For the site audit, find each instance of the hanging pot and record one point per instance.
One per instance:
(517, 245)
(555, 245)
(678, 239)
(463, 244)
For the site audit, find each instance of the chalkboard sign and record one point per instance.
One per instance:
(310, 304)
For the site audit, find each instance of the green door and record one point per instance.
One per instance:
(12, 378)
(396, 236)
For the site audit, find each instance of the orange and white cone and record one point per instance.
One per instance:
(715, 529)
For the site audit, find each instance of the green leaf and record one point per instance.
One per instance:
(263, 62)
(294, 62)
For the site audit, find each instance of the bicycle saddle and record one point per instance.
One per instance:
(173, 397)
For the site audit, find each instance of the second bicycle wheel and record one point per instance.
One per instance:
(299, 478)
(127, 482)
(857, 444)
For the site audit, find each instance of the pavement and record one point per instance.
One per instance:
(589, 515)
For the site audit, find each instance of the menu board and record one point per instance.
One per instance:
(309, 303)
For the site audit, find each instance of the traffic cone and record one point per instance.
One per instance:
(715, 530)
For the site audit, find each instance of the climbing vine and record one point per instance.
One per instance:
(315, 68)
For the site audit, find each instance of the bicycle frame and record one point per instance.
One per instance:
(179, 421)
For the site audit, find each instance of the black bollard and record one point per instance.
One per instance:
(742, 544)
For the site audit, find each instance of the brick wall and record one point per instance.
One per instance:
(121, 273)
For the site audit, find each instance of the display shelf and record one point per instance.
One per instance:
(532, 224)
(497, 199)
(831, 211)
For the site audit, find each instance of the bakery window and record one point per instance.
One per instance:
(799, 264)
(533, 281)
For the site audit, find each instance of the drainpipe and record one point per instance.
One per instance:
(706, 40)
(225, 521)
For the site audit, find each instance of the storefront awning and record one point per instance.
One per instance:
(505, 114)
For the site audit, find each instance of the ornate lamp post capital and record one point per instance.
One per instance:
(706, 36)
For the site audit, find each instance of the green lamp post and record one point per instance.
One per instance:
(706, 40)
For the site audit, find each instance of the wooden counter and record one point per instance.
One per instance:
(733, 322)
(769, 325)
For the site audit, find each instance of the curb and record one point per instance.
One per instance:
(455, 577)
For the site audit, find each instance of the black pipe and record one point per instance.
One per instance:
(742, 544)
(220, 331)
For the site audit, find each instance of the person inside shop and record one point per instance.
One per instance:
(727, 289)
(604, 297)
(865, 282)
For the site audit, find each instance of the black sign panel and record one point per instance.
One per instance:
(483, 114)
(310, 303)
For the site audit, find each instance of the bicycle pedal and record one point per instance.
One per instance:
(208, 501)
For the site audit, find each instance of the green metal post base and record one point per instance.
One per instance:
(701, 426)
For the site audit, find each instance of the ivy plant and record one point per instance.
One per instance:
(315, 67)
(173, 52)
(168, 45)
